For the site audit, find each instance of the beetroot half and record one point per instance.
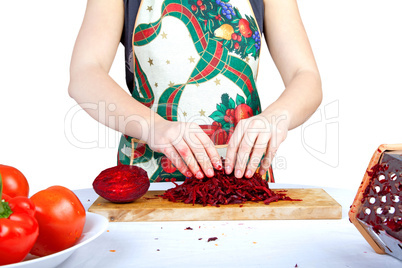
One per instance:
(122, 183)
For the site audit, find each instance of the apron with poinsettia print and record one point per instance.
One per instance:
(193, 61)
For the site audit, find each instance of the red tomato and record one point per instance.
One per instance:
(14, 182)
(61, 219)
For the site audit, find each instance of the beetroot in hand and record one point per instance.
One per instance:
(122, 183)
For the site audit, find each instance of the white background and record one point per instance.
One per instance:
(357, 44)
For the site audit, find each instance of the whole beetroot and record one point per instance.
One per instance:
(122, 183)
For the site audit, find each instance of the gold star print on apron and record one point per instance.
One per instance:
(194, 61)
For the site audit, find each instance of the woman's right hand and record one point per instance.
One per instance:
(187, 146)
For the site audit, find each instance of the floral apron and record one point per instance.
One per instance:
(194, 61)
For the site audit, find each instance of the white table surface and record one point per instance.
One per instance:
(264, 243)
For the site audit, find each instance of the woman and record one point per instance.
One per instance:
(191, 69)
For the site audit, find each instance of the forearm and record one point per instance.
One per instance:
(105, 101)
(299, 100)
(291, 51)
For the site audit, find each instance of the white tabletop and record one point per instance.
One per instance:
(265, 243)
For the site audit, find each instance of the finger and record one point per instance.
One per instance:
(177, 161)
(233, 146)
(278, 136)
(202, 158)
(273, 145)
(243, 154)
(269, 156)
(186, 154)
(264, 165)
(210, 149)
(259, 149)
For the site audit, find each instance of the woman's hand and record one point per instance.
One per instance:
(255, 138)
(187, 146)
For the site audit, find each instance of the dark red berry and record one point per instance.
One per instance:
(232, 112)
(193, 7)
(234, 36)
(199, 2)
(236, 46)
(216, 124)
(231, 119)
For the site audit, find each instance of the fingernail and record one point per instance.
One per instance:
(262, 171)
(210, 172)
(248, 174)
(238, 173)
(228, 169)
(189, 174)
(217, 163)
(199, 175)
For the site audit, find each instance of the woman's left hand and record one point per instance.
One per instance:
(256, 138)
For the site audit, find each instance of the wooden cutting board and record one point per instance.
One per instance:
(315, 204)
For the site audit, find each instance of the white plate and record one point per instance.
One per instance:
(94, 226)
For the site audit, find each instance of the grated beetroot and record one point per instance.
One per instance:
(223, 189)
(212, 239)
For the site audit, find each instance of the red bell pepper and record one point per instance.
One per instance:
(18, 227)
